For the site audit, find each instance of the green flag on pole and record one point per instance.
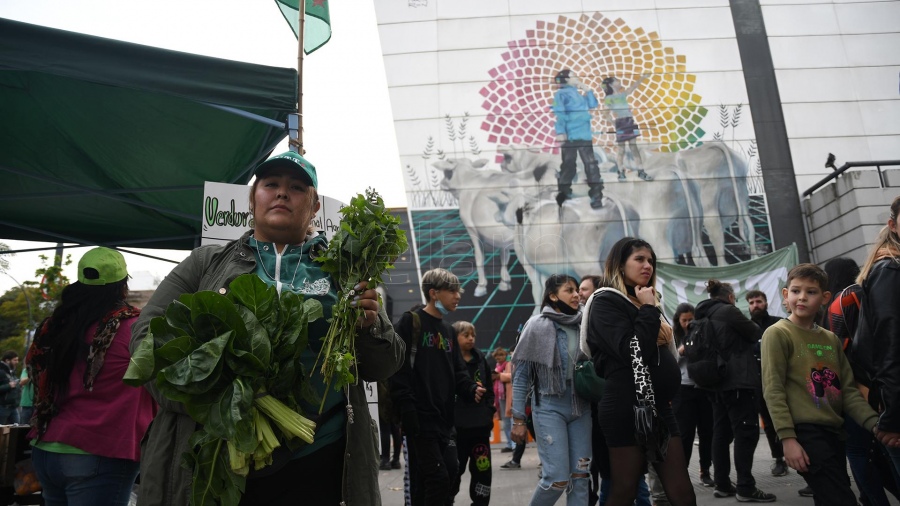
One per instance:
(317, 30)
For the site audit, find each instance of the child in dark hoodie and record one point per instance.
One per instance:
(474, 421)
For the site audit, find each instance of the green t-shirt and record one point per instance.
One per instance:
(300, 274)
(56, 447)
(27, 399)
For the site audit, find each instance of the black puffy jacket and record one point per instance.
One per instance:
(876, 346)
(737, 338)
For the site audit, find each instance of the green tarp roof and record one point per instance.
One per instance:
(108, 142)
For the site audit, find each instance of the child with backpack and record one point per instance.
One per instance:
(808, 385)
(425, 388)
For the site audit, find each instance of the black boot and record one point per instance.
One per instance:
(565, 193)
(596, 194)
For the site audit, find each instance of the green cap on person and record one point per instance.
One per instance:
(291, 160)
(102, 266)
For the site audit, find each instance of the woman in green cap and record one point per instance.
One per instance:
(341, 465)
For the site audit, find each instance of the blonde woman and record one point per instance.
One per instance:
(877, 345)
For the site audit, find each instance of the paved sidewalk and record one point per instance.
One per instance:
(514, 488)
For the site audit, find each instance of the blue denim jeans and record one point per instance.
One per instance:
(506, 427)
(564, 446)
(84, 480)
(9, 415)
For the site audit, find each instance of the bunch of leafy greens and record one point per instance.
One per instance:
(234, 362)
(366, 245)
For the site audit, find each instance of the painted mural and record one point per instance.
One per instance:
(531, 148)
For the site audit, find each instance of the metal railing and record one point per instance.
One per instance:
(850, 165)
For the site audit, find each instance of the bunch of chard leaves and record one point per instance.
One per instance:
(366, 245)
(234, 363)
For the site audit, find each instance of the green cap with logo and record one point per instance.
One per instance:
(101, 266)
(294, 161)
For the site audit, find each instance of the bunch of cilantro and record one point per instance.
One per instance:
(234, 363)
(366, 245)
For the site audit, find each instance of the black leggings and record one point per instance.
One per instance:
(631, 464)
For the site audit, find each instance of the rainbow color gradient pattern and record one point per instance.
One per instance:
(521, 90)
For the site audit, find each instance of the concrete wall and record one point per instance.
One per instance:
(844, 216)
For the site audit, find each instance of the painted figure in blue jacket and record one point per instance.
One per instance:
(573, 130)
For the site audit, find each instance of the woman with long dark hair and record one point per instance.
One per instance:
(692, 406)
(87, 424)
(629, 336)
(544, 360)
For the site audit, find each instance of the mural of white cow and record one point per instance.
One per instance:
(721, 175)
(572, 239)
(711, 180)
(537, 170)
(670, 212)
(481, 204)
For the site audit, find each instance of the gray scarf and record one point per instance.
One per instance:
(537, 345)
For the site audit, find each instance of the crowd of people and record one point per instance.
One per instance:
(827, 371)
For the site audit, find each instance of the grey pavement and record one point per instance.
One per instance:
(514, 487)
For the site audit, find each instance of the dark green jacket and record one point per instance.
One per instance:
(379, 352)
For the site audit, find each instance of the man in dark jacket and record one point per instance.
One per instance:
(734, 402)
(9, 388)
(759, 314)
(425, 390)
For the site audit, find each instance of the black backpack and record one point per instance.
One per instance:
(705, 364)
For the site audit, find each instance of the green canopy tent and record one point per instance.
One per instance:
(107, 142)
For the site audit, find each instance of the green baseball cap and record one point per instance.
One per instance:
(292, 160)
(102, 266)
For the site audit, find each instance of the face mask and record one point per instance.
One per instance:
(564, 308)
(440, 307)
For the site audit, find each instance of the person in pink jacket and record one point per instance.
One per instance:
(87, 425)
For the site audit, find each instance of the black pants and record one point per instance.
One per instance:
(827, 470)
(474, 449)
(388, 429)
(432, 463)
(600, 462)
(771, 436)
(736, 419)
(317, 478)
(584, 149)
(694, 413)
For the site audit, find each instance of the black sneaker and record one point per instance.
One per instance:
(706, 480)
(512, 464)
(806, 491)
(597, 202)
(395, 464)
(506, 449)
(756, 496)
(779, 468)
(643, 175)
(385, 466)
(725, 492)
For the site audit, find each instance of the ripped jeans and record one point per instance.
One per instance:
(564, 446)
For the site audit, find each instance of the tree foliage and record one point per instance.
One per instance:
(14, 311)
